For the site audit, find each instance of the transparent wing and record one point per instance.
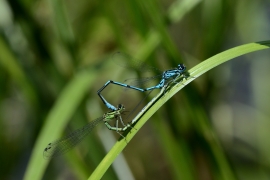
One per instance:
(139, 82)
(127, 61)
(66, 143)
(138, 105)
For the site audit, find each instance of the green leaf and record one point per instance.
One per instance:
(165, 95)
(57, 120)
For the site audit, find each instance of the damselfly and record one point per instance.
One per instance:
(165, 76)
(66, 143)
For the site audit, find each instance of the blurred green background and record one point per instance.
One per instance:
(215, 128)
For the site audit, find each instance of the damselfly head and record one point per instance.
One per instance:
(121, 107)
(181, 67)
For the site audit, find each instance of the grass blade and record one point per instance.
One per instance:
(161, 98)
(57, 119)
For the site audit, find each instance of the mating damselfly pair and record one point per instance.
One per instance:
(64, 144)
